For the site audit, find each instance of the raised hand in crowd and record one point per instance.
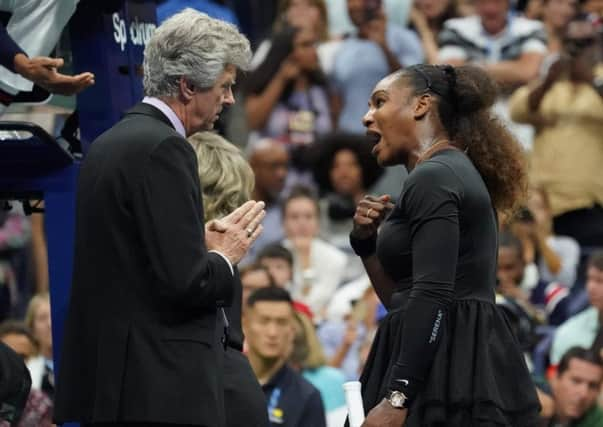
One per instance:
(233, 235)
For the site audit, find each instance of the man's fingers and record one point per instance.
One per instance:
(251, 215)
(47, 62)
(255, 222)
(217, 225)
(256, 233)
(236, 215)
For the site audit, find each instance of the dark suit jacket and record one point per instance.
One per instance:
(140, 339)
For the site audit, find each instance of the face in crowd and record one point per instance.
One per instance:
(577, 388)
(346, 173)
(269, 329)
(594, 286)
(270, 164)
(301, 218)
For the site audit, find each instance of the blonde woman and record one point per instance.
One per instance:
(227, 182)
(37, 320)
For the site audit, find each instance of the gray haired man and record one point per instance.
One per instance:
(140, 346)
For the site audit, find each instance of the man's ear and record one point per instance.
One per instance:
(187, 89)
(423, 105)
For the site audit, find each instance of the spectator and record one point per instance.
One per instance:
(279, 262)
(253, 277)
(14, 387)
(557, 15)
(308, 358)
(268, 323)
(557, 256)
(38, 409)
(427, 19)
(551, 298)
(377, 48)
(344, 171)
(510, 48)
(319, 267)
(286, 95)
(15, 231)
(37, 319)
(566, 105)
(270, 163)
(581, 329)
(576, 386)
(343, 337)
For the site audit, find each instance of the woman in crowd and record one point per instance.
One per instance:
(37, 320)
(444, 354)
(319, 267)
(427, 18)
(227, 183)
(286, 95)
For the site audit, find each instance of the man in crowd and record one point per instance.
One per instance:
(581, 329)
(269, 330)
(148, 273)
(576, 387)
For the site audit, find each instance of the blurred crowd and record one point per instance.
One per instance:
(307, 301)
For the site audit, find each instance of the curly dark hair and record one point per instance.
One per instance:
(465, 95)
(329, 145)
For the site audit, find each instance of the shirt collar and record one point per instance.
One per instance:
(169, 113)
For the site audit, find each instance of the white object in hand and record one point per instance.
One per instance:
(353, 400)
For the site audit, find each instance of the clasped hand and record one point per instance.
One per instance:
(385, 415)
(370, 212)
(233, 235)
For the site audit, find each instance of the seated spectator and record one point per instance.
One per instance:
(342, 337)
(38, 409)
(551, 298)
(37, 319)
(427, 18)
(279, 262)
(270, 163)
(566, 105)
(14, 387)
(15, 232)
(510, 48)
(268, 324)
(557, 257)
(319, 267)
(253, 277)
(344, 170)
(581, 329)
(308, 358)
(575, 388)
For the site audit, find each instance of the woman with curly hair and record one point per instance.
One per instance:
(444, 355)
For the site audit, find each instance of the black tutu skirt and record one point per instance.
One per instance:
(478, 376)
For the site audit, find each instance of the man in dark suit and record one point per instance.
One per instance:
(140, 345)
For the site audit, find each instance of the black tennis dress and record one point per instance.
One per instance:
(444, 343)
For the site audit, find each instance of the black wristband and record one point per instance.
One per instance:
(400, 381)
(364, 248)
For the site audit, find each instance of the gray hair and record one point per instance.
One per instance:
(191, 44)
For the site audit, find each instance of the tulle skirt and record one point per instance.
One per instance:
(478, 377)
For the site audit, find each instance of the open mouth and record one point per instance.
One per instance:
(374, 138)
